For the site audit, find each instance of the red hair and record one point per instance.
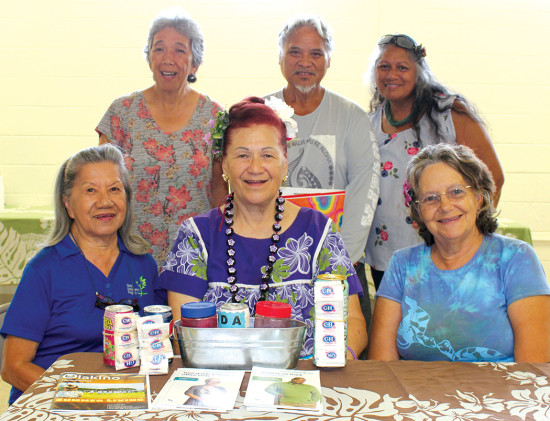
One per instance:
(249, 112)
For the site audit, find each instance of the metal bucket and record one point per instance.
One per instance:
(240, 349)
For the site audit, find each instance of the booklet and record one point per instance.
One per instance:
(200, 390)
(101, 392)
(272, 389)
(328, 201)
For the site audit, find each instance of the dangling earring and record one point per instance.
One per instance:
(285, 178)
(191, 78)
(225, 177)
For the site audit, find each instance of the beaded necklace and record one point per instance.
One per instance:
(271, 259)
(389, 117)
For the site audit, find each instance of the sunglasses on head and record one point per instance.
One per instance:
(103, 301)
(403, 41)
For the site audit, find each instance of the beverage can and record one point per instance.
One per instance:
(234, 315)
(108, 331)
(165, 311)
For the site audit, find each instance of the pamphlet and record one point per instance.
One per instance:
(100, 392)
(327, 201)
(282, 390)
(200, 390)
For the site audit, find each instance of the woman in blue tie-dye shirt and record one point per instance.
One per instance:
(467, 294)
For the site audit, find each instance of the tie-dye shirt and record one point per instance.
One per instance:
(461, 314)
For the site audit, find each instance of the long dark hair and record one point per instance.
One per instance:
(427, 89)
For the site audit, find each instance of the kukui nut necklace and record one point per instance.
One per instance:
(389, 117)
(271, 258)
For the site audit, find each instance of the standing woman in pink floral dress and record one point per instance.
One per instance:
(161, 132)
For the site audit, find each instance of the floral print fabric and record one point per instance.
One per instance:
(170, 172)
(311, 246)
(392, 227)
(461, 315)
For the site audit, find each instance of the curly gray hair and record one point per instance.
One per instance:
(474, 171)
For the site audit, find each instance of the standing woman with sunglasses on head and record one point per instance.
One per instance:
(91, 259)
(467, 294)
(410, 109)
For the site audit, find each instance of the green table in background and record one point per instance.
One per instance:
(21, 231)
(515, 230)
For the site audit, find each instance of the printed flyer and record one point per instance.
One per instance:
(101, 392)
(200, 389)
(271, 389)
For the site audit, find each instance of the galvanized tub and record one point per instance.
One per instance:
(240, 349)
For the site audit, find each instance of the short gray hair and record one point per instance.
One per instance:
(181, 22)
(64, 184)
(474, 171)
(314, 21)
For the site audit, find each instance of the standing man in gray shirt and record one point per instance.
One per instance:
(335, 147)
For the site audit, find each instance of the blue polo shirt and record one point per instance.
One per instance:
(55, 301)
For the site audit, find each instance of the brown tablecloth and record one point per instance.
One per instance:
(363, 390)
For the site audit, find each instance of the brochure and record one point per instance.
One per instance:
(328, 201)
(101, 392)
(200, 389)
(272, 389)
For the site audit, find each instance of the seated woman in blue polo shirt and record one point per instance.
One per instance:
(92, 259)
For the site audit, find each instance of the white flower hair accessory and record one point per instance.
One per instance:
(285, 113)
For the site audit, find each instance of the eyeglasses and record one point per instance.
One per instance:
(403, 41)
(453, 193)
(103, 301)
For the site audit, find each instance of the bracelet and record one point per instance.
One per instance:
(352, 353)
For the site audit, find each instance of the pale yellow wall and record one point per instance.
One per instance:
(64, 61)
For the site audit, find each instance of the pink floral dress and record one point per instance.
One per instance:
(170, 172)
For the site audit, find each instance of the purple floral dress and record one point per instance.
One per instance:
(310, 246)
(170, 172)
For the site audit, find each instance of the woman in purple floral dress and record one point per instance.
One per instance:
(161, 132)
(255, 248)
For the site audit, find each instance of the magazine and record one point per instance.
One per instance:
(200, 389)
(327, 201)
(272, 389)
(100, 392)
